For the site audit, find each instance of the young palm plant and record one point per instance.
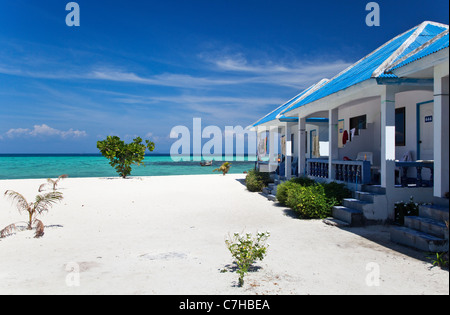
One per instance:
(224, 168)
(41, 204)
(52, 182)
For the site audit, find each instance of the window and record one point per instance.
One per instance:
(400, 127)
(358, 123)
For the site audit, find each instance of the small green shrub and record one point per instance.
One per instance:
(309, 202)
(303, 180)
(256, 181)
(311, 199)
(246, 250)
(336, 193)
(283, 188)
(282, 191)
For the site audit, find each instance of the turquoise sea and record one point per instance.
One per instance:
(16, 166)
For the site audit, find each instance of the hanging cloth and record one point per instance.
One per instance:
(352, 134)
(283, 145)
(345, 137)
(316, 146)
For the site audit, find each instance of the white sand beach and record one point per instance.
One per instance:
(165, 235)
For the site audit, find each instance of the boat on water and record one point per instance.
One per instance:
(206, 163)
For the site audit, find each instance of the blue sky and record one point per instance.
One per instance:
(140, 68)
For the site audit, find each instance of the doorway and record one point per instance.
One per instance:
(425, 131)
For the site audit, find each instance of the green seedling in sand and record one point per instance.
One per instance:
(246, 250)
(41, 204)
(224, 168)
(122, 155)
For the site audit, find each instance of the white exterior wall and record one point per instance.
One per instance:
(370, 139)
(409, 100)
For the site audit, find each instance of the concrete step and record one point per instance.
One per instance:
(274, 189)
(366, 196)
(351, 216)
(419, 240)
(357, 204)
(377, 189)
(336, 222)
(426, 225)
(435, 212)
(272, 197)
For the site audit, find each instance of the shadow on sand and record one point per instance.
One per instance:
(380, 235)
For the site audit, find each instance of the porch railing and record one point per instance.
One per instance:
(418, 165)
(357, 172)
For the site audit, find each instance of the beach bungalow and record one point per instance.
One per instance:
(385, 124)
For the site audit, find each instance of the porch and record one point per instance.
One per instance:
(361, 172)
(377, 135)
(387, 128)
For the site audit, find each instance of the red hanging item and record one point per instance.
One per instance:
(344, 137)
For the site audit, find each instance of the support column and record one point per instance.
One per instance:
(259, 133)
(441, 130)
(388, 137)
(273, 147)
(301, 140)
(288, 153)
(332, 141)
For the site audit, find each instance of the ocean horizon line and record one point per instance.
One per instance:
(99, 154)
(28, 166)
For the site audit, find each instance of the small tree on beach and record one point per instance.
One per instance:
(41, 204)
(122, 155)
(224, 168)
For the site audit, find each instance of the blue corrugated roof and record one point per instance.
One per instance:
(364, 69)
(273, 115)
(404, 46)
(276, 113)
(425, 50)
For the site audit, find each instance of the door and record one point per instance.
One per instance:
(425, 134)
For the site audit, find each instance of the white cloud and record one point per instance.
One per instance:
(44, 131)
(12, 133)
(165, 79)
(294, 73)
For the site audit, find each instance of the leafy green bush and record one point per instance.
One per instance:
(282, 191)
(256, 181)
(303, 180)
(336, 193)
(309, 199)
(283, 188)
(310, 202)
